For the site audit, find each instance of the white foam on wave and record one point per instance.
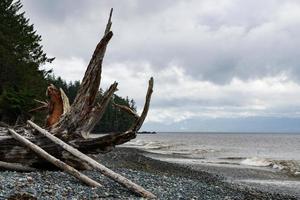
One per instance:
(136, 143)
(154, 145)
(292, 167)
(255, 161)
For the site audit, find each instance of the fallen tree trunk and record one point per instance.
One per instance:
(39, 151)
(15, 167)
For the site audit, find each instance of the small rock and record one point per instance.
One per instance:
(106, 194)
(29, 179)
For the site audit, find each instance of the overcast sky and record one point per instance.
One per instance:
(218, 65)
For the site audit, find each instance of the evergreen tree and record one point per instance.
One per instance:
(20, 57)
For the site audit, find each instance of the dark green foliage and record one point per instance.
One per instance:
(20, 57)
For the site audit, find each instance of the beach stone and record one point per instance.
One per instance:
(29, 179)
(166, 180)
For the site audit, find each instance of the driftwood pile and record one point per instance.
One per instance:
(65, 141)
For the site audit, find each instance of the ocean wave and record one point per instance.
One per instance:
(257, 162)
(150, 145)
(292, 167)
(202, 151)
(175, 149)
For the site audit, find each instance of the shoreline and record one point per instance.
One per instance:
(166, 180)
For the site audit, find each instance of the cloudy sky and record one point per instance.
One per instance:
(218, 65)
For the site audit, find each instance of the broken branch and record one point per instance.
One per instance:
(139, 122)
(127, 109)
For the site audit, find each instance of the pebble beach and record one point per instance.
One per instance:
(165, 180)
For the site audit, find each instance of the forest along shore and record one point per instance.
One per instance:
(166, 180)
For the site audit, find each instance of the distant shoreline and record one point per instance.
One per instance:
(147, 132)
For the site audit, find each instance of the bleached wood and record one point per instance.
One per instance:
(104, 170)
(65, 100)
(15, 167)
(39, 151)
(139, 122)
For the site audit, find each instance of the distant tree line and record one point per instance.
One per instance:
(21, 54)
(21, 79)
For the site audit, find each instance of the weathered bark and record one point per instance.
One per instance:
(104, 170)
(97, 112)
(139, 122)
(82, 109)
(53, 160)
(56, 107)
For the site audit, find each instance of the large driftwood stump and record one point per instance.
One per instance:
(74, 123)
(67, 139)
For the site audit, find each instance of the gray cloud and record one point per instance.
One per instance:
(212, 40)
(210, 58)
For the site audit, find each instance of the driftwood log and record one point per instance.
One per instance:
(39, 151)
(101, 168)
(15, 167)
(71, 125)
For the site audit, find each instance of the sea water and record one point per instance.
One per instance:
(276, 151)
